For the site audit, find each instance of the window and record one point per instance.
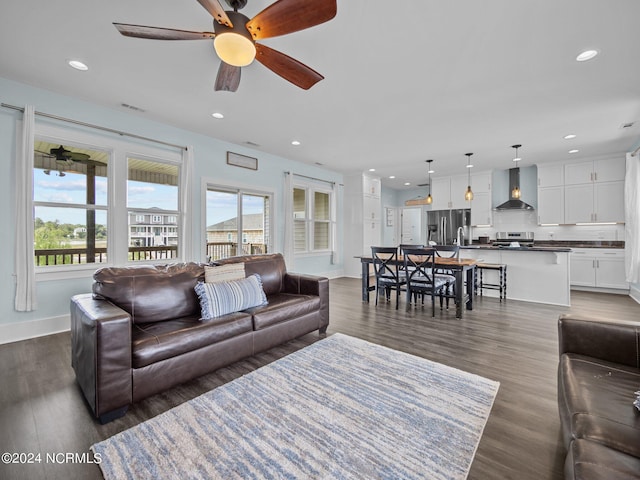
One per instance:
(152, 186)
(74, 212)
(313, 219)
(70, 204)
(233, 214)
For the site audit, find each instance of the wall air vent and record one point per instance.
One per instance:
(132, 107)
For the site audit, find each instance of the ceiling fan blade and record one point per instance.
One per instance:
(288, 68)
(216, 11)
(287, 16)
(228, 78)
(158, 33)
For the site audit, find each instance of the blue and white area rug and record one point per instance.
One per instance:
(340, 408)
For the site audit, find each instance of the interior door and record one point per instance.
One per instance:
(411, 226)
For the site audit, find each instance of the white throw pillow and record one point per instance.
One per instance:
(224, 273)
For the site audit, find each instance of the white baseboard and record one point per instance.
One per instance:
(15, 332)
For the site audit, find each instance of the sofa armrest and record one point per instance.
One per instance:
(615, 341)
(310, 285)
(101, 354)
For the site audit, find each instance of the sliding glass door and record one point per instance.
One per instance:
(238, 222)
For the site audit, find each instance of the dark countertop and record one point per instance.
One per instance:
(560, 245)
(517, 249)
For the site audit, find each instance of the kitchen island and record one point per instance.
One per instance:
(534, 274)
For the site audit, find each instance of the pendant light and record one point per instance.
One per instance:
(515, 192)
(429, 197)
(468, 195)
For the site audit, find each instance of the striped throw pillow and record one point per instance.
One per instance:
(217, 299)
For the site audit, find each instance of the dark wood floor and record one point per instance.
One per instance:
(515, 343)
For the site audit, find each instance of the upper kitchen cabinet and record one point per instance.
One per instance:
(604, 170)
(481, 203)
(550, 175)
(594, 191)
(448, 192)
(550, 194)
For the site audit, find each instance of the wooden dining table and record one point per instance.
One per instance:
(459, 267)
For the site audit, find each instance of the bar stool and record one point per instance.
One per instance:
(501, 286)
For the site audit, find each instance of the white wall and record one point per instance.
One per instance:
(209, 162)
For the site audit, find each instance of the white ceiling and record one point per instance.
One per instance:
(404, 82)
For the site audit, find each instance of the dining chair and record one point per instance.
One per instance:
(422, 278)
(447, 251)
(387, 272)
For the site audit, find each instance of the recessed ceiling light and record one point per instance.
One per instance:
(295, 142)
(406, 184)
(372, 169)
(586, 55)
(217, 115)
(78, 65)
(574, 151)
(469, 165)
(392, 176)
(569, 137)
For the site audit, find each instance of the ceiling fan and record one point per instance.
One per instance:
(234, 37)
(67, 158)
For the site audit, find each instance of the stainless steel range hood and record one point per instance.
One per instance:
(514, 203)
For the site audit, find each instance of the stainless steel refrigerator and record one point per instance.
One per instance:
(442, 226)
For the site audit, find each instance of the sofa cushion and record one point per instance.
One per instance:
(224, 273)
(151, 293)
(596, 402)
(588, 460)
(152, 342)
(270, 267)
(282, 307)
(218, 299)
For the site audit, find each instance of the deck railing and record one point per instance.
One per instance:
(218, 250)
(76, 256)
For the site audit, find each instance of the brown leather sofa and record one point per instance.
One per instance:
(598, 375)
(140, 332)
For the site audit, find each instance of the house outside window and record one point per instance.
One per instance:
(238, 221)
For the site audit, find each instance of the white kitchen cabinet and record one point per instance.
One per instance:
(363, 212)
(603, 170)
(598, 268)
(459, 185)
(594, 191)
(441, 193)
(448, 192)
(481, 213)
(594, 202)
(550, 205)
(550, 175)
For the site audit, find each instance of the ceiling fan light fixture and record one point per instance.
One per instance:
(235, 49)
(234, 45)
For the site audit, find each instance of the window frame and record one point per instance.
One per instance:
(209, 184)
(311, 188)
(119, 150)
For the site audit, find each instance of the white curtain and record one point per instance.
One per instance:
(288, 220)
(632, 218)
(25, 300)
(186, 240)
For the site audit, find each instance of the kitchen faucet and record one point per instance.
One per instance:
(460, 235)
